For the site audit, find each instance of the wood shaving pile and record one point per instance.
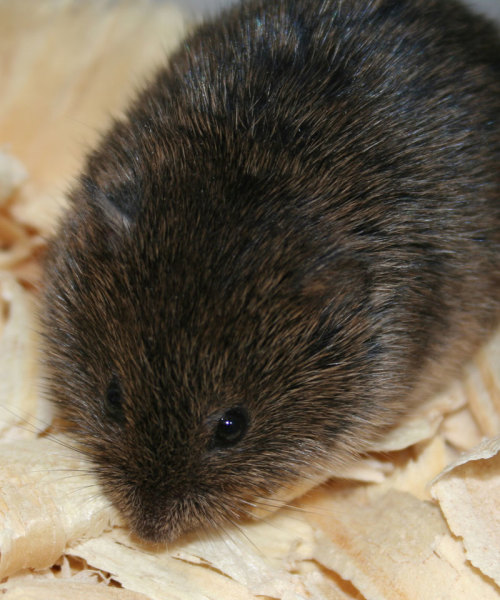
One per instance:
(416, 519)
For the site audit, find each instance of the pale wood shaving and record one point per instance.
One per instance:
(12, 174)
(46, 500)
(63, 590)
(159, 575)
(461, 430)
(386, 547)
(483, 400)
(373, 534)
(468, 492)
(19, 393)
(413, 475)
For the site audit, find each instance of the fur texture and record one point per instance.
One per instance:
(300, 216)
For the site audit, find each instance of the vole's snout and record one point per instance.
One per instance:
(155, 519)
(154, 528)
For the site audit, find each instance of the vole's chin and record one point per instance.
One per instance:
(152, 531)
(161, 521)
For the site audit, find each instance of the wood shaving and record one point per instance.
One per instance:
(468, 493)
(412, 520)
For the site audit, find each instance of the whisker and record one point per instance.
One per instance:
(27, 424)
(267, 503)
(241, 532)
(77, 472)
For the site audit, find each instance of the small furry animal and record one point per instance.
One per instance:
(291, 238)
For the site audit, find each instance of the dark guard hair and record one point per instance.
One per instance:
(291, 238)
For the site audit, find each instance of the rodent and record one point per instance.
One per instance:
(290, 239)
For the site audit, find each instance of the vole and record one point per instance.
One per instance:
(290, 240)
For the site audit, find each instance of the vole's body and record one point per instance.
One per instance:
(299, 220)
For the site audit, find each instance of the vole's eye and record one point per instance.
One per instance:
(114, 400)
(231, 427)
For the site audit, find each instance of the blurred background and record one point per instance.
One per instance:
(489, 7)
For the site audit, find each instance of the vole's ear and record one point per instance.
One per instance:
(117, 205)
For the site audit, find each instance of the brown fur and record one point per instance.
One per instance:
(299, 216)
